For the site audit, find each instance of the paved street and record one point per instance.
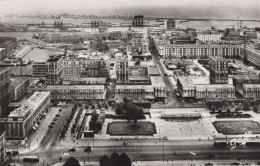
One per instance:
(154, 153)
(173, 101)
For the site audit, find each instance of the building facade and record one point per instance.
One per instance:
(251, 55)
(192, 51)
(68, 93)
(24, 119)
(84, 67)
(122, 70)
(39, 69)
(18, 87)
(3, 54)
(215, 91)
(144, 92)
(54, 71)
(2, 148)
(207, 36)
(218, 70)
(251, 91)
(4, 89)
(9, 43)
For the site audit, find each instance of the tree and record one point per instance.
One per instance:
(246, 106)
(125, 160)
(134, 113)
(104, 161)
(114, 159)
(71, 162)
(213, 108)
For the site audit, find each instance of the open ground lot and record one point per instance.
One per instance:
(128, 128)
(237, 127)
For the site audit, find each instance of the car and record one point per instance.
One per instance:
(15, 153)
(57, 115)
(72, 150)
(56, 118)
(165, 74)
(88, 149)
(52, 123)
(50, 126)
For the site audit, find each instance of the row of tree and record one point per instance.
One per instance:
(68, 121)
(115, 160)
(74, 126)
(96, 121)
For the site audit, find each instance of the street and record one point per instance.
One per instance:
(173, 101)
(153, 153)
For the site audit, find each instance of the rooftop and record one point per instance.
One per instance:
(218, 58)
(157, 81)
(15, 81)
(54, 59)
(186, 81)
(30, 105)
(154, 70)
(53, 87)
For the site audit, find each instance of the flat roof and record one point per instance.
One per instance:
(30, 105)
(251, 85)
(18, 80)
(186, 81)
(154, 70)
(218, 58)
(75, 87)
(157, 81)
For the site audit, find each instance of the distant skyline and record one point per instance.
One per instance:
(245, 9)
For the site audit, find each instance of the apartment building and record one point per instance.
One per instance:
(251, 91)
(145, 92)
(24, 119)
(39, 69)
(218, 70)
(18, 87)
(207, 36)
(54, 70)
(68, 93)
(192, 51)
(4, 88)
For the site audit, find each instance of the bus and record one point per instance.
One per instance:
(31, 159)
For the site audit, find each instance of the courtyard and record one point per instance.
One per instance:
(128, 128)
(237, 127)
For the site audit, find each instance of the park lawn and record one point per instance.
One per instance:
(237, 127)
(128, 128)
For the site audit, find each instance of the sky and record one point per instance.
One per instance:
(243, 8)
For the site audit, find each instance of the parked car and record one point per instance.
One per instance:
(72, 150)
(15, 153)
(88, 149)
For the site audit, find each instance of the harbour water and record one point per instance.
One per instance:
(43, 54)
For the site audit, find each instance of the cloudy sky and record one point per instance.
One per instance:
(243, 8)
